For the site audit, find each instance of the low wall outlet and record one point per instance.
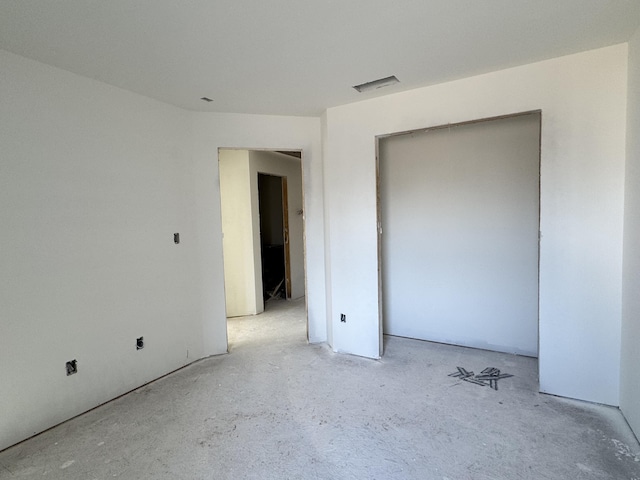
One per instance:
(72, 367)
(176, 238)
(343, 318)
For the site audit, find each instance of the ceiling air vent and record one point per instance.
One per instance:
(375, 84)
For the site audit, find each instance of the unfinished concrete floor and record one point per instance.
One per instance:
(277, 408)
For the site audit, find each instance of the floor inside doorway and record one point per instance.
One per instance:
(276, 408)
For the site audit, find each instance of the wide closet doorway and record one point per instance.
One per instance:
(459, 213)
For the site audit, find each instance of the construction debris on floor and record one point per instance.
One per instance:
(489, 376)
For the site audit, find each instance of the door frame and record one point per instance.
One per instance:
(282, 150)
(378, 138)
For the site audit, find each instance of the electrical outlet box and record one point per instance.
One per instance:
(139, 343)
(343, 318)
(72, 367)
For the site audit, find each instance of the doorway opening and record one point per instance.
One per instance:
(459, 219)
(261, 198)
(274, 236)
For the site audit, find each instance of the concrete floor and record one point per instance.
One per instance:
(277, 408)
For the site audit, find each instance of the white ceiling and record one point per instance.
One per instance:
(299, 57)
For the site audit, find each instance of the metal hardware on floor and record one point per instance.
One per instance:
(489, 376)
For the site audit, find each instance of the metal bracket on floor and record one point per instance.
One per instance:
(489, 376)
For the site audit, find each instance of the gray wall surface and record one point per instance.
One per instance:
(460, 219)
(630, 358)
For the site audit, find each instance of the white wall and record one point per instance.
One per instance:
(94, 182)
(285, 166)
(254, 132)
(326, 233)
(243, 288)
(630, 379)
(583, 103)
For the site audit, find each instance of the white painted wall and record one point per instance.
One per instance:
(630, 379)
(243, 288)
(254, 132)
(460, 217)
(326, 232)
(583, 103)
(285, 166)
(94, 181)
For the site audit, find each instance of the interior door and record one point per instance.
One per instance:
(459, 210)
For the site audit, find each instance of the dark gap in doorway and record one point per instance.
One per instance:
(272, 236)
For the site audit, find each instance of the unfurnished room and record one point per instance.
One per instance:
(323, 239)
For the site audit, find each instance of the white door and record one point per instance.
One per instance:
(459, 246)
